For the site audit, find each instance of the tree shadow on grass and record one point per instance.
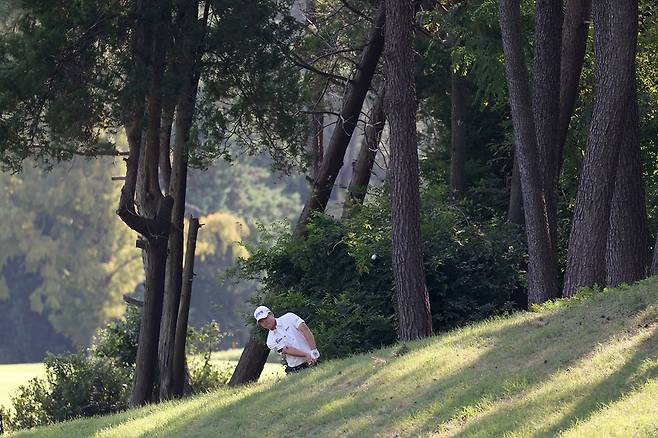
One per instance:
(575, 400)
(453, 379)
(517, 356)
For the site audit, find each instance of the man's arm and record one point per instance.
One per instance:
(292, 351)
(308, 335)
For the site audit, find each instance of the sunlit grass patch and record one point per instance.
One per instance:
(582, 369)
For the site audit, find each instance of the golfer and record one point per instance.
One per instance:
(289, 336)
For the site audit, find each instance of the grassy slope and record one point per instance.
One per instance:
(589, 369)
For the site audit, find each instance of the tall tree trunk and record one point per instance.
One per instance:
(188, 67)
(349, 116)
(515, 208)
(184, 309)
(574, 43)
(615, 40)
(546, 102)
(152, 221)
(542, 259)
(147, 347)
(627, 246)
(362, 167)
(413, 305)
(458, 134)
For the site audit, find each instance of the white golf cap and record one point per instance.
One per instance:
(261, 312)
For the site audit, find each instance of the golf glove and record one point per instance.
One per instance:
(315, 354)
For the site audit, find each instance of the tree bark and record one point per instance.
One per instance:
(349, 115)
(574, 43)
(362, 167)
(188, 68)
(515, 208)
(316, 144)
(251, 363)
(542, 259)
(546, 102)
(615, 41)
(413, 307)
(627, 246)
(458, 134)
(147, 347)
(184, 309)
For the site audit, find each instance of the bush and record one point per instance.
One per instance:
(99, 380)
(339, 276)
(75, 385)
(204, 375)
(118, 340)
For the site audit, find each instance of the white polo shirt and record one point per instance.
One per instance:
(287, 334)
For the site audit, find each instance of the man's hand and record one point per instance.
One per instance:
(315, 354)
(310, 359)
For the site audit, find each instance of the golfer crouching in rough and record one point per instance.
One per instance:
(289, 336)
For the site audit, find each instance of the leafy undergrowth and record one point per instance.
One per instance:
(579, 369)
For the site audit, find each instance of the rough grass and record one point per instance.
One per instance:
(588, 369)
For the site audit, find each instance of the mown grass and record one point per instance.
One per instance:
(14, 375)
(588, 369)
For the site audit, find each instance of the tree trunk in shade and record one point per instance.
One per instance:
(191, 31)
(251, 363)
(458, 134)
(542, 257)
(615, 41)
(574, 43)
(627, 247)
(515, 208)
(179, 363)
(546, 102)
(413, 308)
(362, 169)
(349, 115)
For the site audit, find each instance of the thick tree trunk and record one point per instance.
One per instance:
(188, 66)
(515, 208)
(251, 363)
(458, 134)
(574, 43)
(413, 305)
(362, 167)
(542, 259)
(349, 115)
(546, 102)
(184, 309)
(146, 360)
(152, 222)
(615, 41)
(627, 247)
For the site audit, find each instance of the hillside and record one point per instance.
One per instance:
(582, 370)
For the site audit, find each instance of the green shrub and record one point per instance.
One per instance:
(339, 276)
(204, 375)
(118, 340)
(99, 380)
(76, 385)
